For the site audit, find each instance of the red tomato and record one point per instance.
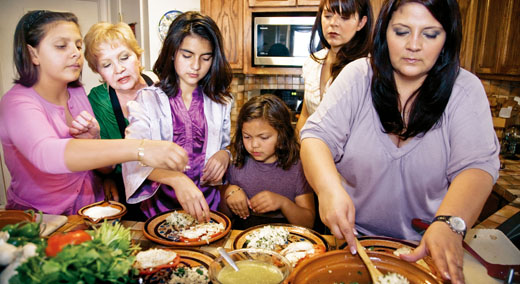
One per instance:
(57, 242)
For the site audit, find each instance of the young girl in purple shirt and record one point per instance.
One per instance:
(266, 180)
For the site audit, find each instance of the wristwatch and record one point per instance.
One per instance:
(456, 224)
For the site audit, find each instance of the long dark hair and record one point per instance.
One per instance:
(357, 47)
(30, 30)
(429, 100)
(273, 110)
(216, 83)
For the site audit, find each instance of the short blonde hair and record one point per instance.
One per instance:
(108, 33)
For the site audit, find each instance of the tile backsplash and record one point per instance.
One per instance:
(244, 87)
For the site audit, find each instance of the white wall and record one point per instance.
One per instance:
(156, 9)
(11, 12)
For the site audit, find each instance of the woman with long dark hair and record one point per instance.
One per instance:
(343, 28)
(411, 134)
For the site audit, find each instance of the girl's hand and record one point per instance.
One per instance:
(192, 201)
(267, 201)
(237, 202)
(445, 247)
(84, 126)
(337, 212)
(164, 155)
(215, 167)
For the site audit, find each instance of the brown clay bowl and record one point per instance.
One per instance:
(341, 266)
(8, 217)
(91, 221)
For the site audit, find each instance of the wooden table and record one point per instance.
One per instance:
(75, 222)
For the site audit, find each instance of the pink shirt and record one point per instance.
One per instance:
(34, 134)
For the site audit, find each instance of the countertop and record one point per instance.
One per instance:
(508, 187)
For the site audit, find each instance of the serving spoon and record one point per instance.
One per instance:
(374, 272)
(228, 258)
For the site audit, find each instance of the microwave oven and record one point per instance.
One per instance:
(282, 39)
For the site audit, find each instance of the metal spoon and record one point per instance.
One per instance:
(228, 258)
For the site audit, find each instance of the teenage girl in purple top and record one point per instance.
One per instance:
(266, 181)
(191, 107)
(47, 124)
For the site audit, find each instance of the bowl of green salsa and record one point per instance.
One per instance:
(256, 266)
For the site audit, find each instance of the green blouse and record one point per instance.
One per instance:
(102, 106)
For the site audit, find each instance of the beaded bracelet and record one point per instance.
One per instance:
(140, 153)
(233, 191)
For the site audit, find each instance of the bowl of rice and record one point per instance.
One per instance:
(96, 213)
(340, 266)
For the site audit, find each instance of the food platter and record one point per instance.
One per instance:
(189, 257)
(159, 231)
(296, 234)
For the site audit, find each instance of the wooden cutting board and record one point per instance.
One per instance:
(51, 223)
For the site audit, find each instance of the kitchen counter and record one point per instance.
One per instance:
(508, 188)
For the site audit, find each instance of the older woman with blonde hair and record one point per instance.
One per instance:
(112, 51)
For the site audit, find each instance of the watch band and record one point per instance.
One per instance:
(446, 219)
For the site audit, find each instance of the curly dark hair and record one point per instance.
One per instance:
(273, 110)
(216, 83)
(357, 47)
(429, 100)
(30, 30)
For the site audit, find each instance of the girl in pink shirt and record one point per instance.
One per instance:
(45, 109)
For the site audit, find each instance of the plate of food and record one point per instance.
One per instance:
(179, 265)
(294, 242)
(178, 228)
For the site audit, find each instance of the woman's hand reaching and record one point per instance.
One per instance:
(84, 126)
(164, 155)
(192, 200)
(338, 213)
(445, 247)
(215, 168)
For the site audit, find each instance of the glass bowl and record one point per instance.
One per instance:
(247, 259)
(96, 213)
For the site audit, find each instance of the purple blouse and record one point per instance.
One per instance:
(189, 132)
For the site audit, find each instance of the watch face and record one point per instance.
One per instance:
(165, 21)
(457, 223)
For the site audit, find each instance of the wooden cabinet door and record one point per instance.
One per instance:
(490, 35)
(499, 40)
(229, 16)
(468, 13)
(309, 2)
(510, 56)
(271, 3)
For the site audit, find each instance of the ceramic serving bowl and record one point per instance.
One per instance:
(96, 213)
(8, 217)
(340, 266)
(271, 259)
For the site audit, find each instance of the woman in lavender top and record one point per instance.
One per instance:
(411, 134)
(191, 107)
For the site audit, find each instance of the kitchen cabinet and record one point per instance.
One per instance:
(468, 13)
(282, 3)
(498, 54)
(229, 16)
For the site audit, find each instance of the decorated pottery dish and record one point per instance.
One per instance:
(255, 266)
(8, 217)
(103, 210)
(341, 266)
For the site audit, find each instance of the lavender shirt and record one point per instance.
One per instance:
(255, 177)
(389, 185)
(189, 132)
(34, 134)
